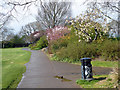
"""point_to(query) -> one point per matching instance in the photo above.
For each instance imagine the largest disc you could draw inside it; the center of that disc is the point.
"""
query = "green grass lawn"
(13, 60)
(104, 63)
(100, 81)
(91, 84)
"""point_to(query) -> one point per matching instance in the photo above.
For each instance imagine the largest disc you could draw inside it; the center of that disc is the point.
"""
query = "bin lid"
(85, 59)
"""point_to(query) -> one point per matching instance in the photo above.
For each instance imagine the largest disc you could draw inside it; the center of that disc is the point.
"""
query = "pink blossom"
(56, 33)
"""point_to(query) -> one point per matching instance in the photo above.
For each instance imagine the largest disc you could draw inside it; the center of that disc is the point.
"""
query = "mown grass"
(104, 63)
(102, 81)
(90, 84)
(13, 60)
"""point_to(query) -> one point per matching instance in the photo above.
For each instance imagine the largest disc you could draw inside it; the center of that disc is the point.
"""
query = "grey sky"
(24, 18)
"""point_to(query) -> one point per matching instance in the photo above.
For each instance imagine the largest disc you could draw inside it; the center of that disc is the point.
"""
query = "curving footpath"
(42, 73)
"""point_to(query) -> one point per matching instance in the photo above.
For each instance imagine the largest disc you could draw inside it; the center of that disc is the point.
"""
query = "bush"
(16, 41)
(30, 45)
(7, 44)
(63, 42)
(58, 44)
(77, 50)
(110, 49)
(54, 35)
(71, 50)
(40, 43)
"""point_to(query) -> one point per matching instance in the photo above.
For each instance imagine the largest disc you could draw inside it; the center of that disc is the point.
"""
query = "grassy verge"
(105, 63)
(95, 63)
(13, 60)
(90, 84)
(101, 81)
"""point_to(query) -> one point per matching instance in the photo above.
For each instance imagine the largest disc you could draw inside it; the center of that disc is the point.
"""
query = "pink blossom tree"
(56, 33)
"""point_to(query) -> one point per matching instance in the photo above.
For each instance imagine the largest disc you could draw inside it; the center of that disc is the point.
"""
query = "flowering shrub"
(34, 37)
(56, 33)
(89, 27)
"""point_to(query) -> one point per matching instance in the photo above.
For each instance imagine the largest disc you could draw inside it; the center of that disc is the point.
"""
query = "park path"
(41, 73)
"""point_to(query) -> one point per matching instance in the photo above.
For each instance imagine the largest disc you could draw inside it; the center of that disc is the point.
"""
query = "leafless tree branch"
(51, 14)
(104, 7)
(21, 4)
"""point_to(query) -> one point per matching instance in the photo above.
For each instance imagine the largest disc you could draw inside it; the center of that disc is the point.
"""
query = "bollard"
(86, 69)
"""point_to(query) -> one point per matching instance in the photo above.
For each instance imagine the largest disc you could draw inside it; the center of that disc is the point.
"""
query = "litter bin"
(86, 69)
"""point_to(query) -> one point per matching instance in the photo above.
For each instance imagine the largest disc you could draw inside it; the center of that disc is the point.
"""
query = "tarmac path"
(41, 72)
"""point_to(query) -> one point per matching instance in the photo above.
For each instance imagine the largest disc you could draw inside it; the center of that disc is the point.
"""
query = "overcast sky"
(22, 17)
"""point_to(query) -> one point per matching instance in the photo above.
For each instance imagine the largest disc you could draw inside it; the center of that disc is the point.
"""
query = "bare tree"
(28, 29)
(6, 34)
(59, 9)
(9, 6)
(51, 14)
(107, 8)
(111, 10)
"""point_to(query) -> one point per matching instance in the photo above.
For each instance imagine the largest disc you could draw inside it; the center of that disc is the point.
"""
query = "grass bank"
(90, 84)
(95, 63)
(102, 81)
(13, 60)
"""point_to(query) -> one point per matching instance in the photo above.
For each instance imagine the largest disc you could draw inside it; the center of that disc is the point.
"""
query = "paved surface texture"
(41, 73)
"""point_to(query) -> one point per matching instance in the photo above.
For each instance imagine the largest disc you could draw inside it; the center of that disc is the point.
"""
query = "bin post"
(86, 69)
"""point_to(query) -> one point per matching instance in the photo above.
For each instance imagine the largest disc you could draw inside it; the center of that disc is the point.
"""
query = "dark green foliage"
(110, 49)
(68, 49)
(16, 41)
(58, 44)
(75, 50)
(56, 58)
(7, 44)
(78, 50)
(40, 43)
